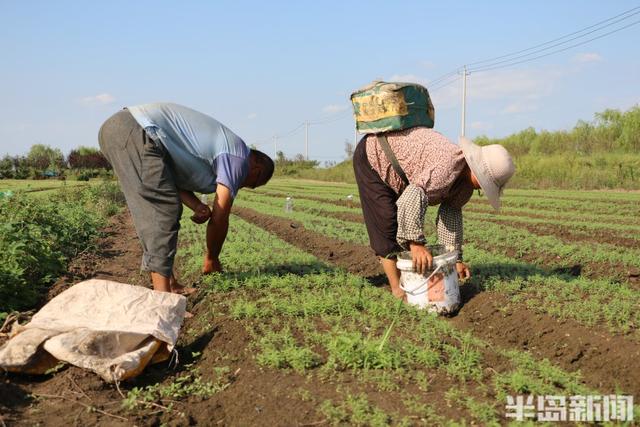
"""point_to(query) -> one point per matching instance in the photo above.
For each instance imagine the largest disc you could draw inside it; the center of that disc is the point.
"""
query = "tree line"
(612, 131)
(43, 161)
(602, 153)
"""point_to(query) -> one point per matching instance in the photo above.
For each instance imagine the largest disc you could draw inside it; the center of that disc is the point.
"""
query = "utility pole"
(464, 99)
(275, 147)
(306, 140)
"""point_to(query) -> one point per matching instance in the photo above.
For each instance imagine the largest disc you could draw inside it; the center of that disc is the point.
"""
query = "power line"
(554, 45)
(291, 132)
(445, 79)
(444, 84)
(491, 67)
(332, 119)
(564, 37)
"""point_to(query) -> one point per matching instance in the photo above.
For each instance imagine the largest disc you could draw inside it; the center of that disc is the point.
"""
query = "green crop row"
(307, 318)
(332, 227)
(571, 196)
(583, 227)
(587, 215)
(584, 195)
(38, 236)
(562, 214)
(582, 207)
(36, 184)
(549, 251)
(520, 281)
(497, 238)
(306, 204)
(588, 301)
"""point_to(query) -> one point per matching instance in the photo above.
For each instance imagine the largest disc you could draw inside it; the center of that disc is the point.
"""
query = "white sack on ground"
(111, 328)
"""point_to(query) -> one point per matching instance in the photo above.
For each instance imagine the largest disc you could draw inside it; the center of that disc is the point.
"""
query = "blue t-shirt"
(203, 151)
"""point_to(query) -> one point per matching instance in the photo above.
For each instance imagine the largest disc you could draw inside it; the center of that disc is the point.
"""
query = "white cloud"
(530, 84)
(252, 116)
(409, 78)
(520, 107)
(481, 126)
(507, 86)
(334, 108)
(587, 57)
(101, 99)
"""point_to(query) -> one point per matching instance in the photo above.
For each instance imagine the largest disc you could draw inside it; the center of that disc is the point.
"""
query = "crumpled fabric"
(113, 329)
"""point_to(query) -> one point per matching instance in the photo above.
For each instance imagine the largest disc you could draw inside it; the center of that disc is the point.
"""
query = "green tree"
(20, 167)
(42, 157)
(6, 167)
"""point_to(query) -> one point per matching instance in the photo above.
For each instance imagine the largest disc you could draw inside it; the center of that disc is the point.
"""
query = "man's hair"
(266, 164)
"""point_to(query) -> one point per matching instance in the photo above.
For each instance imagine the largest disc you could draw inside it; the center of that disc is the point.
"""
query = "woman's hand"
(463, 271)
(201, 214)
(421, 257)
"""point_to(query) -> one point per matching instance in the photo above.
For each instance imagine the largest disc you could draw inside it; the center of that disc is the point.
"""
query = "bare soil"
(602, 358)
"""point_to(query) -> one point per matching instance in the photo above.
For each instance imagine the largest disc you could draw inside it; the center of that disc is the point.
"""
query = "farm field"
(302, 330)
(40, 187)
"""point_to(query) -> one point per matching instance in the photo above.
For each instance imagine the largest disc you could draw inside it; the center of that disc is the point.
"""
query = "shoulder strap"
(382, 139)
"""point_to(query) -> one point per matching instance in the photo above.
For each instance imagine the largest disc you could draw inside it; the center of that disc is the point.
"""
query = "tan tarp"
(111, 328)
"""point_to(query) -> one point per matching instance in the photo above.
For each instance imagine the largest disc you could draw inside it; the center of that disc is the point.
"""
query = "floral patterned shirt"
(434, 168)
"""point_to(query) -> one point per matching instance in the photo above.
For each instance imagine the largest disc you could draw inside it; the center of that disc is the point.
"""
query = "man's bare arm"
(190, 200)
(201, 212)
(217, 228)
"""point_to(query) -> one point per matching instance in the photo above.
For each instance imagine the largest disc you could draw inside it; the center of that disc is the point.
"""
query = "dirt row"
(601, 357)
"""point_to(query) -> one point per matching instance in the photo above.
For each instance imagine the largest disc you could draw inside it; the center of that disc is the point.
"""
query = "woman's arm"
(449, 226)
(412, 206)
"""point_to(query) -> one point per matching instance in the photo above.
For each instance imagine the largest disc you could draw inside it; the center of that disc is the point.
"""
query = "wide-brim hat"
(492, 166)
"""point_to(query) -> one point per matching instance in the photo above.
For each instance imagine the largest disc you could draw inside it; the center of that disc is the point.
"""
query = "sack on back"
(382, 107)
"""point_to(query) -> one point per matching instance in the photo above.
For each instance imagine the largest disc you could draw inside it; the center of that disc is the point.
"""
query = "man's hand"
(463, 271)
(211, 265)
(201, 214)
(421, 257)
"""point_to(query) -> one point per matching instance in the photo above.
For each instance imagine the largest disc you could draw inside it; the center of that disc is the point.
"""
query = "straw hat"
(492, 165)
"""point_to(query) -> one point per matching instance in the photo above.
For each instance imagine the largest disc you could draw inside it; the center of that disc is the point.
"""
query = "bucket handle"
(412, 291)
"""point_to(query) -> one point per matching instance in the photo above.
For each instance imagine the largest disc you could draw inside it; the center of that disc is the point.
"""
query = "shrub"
(38, 237)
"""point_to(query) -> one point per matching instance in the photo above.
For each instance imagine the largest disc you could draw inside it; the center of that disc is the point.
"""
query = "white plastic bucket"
(437, 290)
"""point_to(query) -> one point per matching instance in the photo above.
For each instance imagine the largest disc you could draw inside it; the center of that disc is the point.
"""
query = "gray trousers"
(147, 180)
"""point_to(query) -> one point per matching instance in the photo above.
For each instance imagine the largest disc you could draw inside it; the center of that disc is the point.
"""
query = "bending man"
(162, 153)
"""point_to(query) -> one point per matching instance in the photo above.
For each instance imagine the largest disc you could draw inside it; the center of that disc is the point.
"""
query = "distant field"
(40, 187)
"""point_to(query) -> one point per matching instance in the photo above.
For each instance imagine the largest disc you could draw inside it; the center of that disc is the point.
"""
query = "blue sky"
(262, 68)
